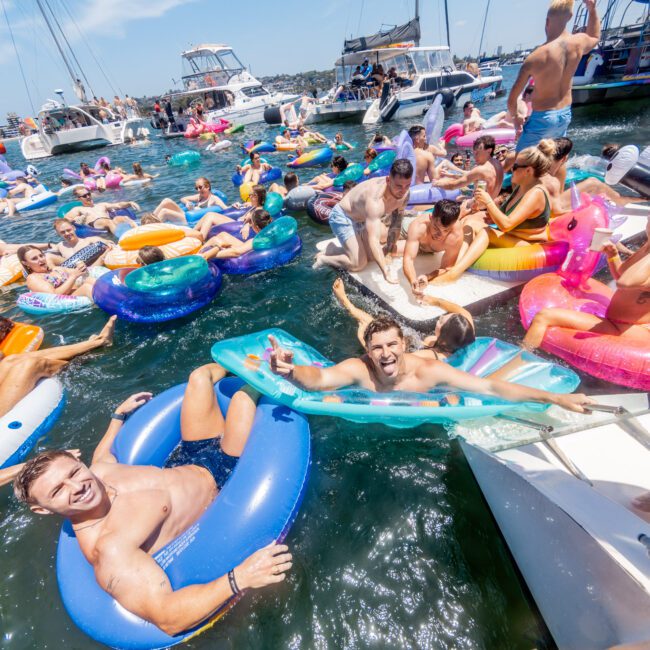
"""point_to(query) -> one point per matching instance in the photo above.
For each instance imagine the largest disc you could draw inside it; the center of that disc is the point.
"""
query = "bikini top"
(56, 280)
(533, 223)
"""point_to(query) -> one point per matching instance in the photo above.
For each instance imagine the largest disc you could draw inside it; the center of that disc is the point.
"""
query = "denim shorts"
(343, 226)
(544, 124)
(204, 453)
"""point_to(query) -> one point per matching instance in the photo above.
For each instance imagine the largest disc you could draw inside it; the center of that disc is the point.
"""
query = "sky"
(138, 42)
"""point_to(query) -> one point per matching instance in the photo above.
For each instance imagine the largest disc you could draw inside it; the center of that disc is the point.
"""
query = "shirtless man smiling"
(553, 66)
(387, 367)
(357, 220)
(123, 514)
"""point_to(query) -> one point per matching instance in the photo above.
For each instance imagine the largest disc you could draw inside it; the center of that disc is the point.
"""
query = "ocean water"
(394, 546)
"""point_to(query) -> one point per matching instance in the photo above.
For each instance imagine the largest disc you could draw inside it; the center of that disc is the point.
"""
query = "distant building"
(500, 50)
(12, 128)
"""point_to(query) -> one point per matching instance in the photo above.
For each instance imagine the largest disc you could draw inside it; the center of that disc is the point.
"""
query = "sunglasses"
(200, 187)
(517, 166)
(84, 196)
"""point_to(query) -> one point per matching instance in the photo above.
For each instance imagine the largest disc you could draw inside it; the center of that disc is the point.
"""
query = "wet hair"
(205, 182)
(22, 253)
(61, 222)
(370, 153)
(415, 130)
(488, 144)
(447, 211)
(137, 168)
(561, 7)
(468, 104)
(149, 217)
(5, 327)
(455, 333)
(539, 157)
(290, 180)
(456, 154)
(379, 137)
(401, 168)
(150, 255)
(348, 185)
(340, 163)
(33, 470)
(66, 182)
(378, 325)
(563, 147)
(105, 166)
(261, 218)
(83, 164)
(610, 150)
(260, 193)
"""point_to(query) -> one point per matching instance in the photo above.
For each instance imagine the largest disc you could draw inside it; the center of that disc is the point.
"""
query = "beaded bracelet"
(233, 582)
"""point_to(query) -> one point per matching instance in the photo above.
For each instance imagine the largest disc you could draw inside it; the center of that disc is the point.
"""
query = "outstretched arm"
(590, 39)
(457, 182)
(138, 583)
(102, 453)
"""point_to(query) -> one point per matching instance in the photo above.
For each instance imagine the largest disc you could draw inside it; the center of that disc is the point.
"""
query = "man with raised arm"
(553, 66)
(357, 221)
(124, 514)
(387, 367)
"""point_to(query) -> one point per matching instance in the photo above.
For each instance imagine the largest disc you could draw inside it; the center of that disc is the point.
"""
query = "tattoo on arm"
(111, 584)
(394, 229)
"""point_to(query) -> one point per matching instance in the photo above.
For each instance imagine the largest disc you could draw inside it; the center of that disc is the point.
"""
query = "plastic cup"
(481, 185)
(601, 235)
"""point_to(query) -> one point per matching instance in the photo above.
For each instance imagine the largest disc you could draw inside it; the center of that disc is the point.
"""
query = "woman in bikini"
(169, 210)
(224, 245)
(45, 278)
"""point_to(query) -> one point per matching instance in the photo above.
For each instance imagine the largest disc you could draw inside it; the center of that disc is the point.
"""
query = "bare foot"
(338, 288)
(318, 262)
(642, 503)
(105, 337)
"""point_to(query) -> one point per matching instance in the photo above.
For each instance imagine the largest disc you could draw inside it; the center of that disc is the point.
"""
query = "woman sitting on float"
(524, 216)
(44, 278)
(169, 210)
(253, 171)
(224, 245)
(138, 175)
(256, 200)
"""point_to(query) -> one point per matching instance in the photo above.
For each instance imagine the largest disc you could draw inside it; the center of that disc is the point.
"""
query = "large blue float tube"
(247, 356)
(256, 506)
(269, 176)
(114, 297)
(193, 216)
(425, 193)
(262, 260)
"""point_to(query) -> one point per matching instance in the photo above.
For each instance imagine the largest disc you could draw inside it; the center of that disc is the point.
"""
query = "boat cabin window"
(430, 84)
(421, 61)
(63, 119)
(230, 62)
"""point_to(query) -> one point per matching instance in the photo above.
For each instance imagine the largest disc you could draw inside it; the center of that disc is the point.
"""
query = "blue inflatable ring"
(261, 260)
(239, 521)
(114, 297)
(269, 176)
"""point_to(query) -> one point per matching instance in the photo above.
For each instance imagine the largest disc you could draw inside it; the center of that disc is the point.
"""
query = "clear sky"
(138, 42)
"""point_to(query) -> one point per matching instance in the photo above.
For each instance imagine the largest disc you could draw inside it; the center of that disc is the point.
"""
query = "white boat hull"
(576, 545)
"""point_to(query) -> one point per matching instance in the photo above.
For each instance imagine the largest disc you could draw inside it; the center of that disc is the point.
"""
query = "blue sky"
(139, 41)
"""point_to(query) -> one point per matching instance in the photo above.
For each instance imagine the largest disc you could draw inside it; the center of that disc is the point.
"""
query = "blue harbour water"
(394, 546)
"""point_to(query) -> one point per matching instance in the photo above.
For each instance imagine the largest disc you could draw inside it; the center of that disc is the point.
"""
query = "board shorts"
(207, 454)
(544, 124)
(343, 226)
(404, 228)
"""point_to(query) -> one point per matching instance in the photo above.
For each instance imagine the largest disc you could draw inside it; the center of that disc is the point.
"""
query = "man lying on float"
(387, 367)
(123, 514)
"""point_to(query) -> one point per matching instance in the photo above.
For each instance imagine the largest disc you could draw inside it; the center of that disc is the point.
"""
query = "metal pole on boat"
(447, 23)
(56, 41)
(417, 18)
(480, 46)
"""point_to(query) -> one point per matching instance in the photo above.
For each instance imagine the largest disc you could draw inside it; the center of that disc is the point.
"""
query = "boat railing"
(209, 80)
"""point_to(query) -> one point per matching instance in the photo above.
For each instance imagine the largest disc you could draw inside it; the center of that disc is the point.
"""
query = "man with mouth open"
(124, 514)
(387, 367)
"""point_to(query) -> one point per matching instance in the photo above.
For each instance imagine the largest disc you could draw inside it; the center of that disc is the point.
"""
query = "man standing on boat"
(553, 66)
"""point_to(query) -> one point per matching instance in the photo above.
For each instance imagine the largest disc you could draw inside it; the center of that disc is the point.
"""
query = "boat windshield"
(209, 69)
(431, 60)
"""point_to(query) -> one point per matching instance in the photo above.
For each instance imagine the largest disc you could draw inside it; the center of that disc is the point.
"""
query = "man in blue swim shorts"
(359, 221)
(123, 514)
(553, 66)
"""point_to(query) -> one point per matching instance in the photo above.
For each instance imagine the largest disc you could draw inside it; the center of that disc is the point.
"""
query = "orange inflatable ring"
(118, 258)
(10, 270)
(152, 234)
(22, 338)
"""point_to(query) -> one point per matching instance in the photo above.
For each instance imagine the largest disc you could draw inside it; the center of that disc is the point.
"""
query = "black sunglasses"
(517, 166)
(84, 196)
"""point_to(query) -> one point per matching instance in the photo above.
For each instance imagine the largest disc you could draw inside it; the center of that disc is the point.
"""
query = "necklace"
(110, 487)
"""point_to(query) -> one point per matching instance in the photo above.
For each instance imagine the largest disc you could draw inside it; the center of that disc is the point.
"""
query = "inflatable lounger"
(471, 291)
(256, 506)
(248, 357)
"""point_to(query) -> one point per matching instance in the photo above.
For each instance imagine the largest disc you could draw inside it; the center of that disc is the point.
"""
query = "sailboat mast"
(480, 46)
(56, 41)
(417, 18)
(447, 24)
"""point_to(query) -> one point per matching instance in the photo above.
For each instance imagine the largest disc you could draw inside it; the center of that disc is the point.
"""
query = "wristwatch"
(119, 416)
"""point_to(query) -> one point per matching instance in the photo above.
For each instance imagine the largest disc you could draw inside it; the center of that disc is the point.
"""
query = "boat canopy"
(408, 32)
(207, 66)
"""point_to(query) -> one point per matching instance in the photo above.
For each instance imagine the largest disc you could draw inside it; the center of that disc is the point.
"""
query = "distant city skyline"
(139, 44)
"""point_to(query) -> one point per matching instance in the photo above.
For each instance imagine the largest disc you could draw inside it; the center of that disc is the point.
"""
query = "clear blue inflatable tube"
(193, 216)
(425, 193)
(256, 506)
(247, 356)
(114, 297)
(269, 176)
(262, 260)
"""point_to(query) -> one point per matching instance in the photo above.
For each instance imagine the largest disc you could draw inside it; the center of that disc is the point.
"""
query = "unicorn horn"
(576, 201)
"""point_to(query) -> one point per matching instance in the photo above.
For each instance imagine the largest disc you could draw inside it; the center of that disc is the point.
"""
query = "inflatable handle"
(275, 234)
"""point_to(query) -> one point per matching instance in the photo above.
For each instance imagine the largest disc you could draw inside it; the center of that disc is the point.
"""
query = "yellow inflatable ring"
(153, 234)
(10, 270)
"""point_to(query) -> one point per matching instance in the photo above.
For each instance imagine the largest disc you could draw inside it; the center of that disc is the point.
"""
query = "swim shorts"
(343, 226)
(207, 454)
(544, 124)
(406, 223)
